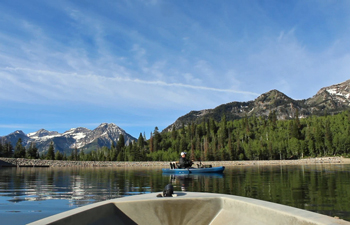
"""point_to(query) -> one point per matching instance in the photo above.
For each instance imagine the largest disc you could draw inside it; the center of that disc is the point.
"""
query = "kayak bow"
(219, 169)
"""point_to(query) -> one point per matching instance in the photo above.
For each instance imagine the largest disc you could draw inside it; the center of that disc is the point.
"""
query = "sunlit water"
(29, 194)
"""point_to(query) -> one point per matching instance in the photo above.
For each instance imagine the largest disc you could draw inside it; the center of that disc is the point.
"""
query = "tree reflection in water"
(30, 192)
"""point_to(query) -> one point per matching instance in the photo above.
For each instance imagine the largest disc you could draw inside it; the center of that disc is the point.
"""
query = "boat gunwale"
(299, 214)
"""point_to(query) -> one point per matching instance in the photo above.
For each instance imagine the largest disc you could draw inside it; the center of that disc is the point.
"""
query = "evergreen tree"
(206, 149)
(82, 156)
(20, 151)
(151, 146)
(58, 155)
(173, 133)
(74, 156)
(1, 148)
(51, 152)
(157, 138)
(328, 137)
(121, 142)
(7, 149)
(140, 142)
(113, 152)
(64, 156)
(273, 119)
(32, 152)
(230, 150)
(121, 148)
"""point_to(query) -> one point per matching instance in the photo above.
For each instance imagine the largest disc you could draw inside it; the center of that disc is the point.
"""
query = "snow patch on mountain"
(336, 91)
(79, 136)
(77, 133)
(43, 135)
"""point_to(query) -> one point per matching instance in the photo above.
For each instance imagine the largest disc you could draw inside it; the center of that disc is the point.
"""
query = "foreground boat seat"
(188, 208)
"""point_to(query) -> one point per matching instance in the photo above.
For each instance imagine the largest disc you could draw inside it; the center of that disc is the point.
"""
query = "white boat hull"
(188, 208)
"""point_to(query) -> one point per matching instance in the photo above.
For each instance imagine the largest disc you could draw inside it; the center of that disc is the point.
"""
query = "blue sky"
(144, 63)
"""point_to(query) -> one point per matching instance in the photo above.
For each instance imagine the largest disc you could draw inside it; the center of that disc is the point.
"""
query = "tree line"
(256, 138)
(249, 138)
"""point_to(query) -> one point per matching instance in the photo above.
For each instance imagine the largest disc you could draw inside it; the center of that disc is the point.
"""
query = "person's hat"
(183, 153)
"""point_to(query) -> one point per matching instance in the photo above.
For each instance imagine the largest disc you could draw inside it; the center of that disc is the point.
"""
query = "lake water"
(29, 194)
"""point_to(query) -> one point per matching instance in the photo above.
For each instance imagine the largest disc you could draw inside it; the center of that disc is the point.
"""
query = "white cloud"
(50, 71)
(122, 55)
(42, 86)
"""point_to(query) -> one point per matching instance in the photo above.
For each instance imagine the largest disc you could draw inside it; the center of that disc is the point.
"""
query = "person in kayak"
(184, 162)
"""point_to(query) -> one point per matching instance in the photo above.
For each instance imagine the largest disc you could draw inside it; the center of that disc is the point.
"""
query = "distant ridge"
(332, 99)
(81, 138)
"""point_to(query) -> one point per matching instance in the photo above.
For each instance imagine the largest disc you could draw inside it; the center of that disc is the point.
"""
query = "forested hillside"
(332, 100)
(257, 138)
(253, 138)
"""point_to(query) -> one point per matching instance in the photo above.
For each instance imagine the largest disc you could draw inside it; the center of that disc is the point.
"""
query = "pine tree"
(1, 148)
(51, 152)
(58, 155)
(64, 156)
(20, 151)
(173, 133)
(206, 149)
(140, 141)
(151, 150)
(192, 156)
(121, 146)
(32, 152)
(82, 155)
(230, 148)
(328, 138)
(75, 154)
(8, 149)
(113, 152)
(157, 138)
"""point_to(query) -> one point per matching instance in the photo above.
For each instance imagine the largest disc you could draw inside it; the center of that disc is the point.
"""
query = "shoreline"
(20, 162)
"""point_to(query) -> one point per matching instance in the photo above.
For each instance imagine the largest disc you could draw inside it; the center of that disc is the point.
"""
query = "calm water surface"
(29, 194)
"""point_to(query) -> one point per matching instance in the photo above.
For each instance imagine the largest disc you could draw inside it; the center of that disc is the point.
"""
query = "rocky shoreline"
(19, 162)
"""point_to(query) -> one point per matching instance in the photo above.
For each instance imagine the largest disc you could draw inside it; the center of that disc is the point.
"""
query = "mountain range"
(81, 138)
(328, 100)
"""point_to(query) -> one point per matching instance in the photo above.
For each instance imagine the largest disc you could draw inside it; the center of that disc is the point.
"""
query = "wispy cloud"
(167, 56)
(63, 86)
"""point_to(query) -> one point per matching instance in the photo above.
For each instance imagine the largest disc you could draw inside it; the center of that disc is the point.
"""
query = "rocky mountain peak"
(342, 90)
(14, 136)
(81, 138)
(272, 96)
(108, 128)
(18, 132)
(107, 125)
(332, 99)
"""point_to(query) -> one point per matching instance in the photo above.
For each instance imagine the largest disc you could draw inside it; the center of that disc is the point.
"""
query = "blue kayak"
(218, 169)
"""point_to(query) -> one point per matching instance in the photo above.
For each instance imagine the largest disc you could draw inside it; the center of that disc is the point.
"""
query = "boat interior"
(188, 208)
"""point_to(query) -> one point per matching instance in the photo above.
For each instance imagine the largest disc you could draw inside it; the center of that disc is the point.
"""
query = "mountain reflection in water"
(29, 194)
